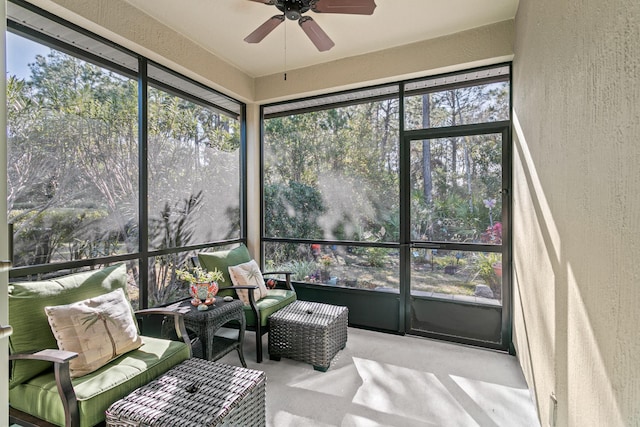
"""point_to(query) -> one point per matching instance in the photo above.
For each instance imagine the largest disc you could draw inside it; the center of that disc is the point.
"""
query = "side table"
(311, 332)
(206, 323)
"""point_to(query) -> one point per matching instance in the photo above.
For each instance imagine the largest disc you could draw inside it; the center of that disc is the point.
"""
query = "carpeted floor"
(389, 380)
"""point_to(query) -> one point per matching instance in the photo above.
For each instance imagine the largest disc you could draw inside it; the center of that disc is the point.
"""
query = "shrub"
(376, 256)
(299, 269)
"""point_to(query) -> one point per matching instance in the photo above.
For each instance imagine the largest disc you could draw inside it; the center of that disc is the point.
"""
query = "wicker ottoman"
(196, 392)
(310, 332)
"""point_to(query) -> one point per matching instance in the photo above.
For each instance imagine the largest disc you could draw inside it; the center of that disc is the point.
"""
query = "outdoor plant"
(325, 261)
(484, 269)
(299, 268)
(443, 261)
(493, 234)
(173, 225)
(376, 256)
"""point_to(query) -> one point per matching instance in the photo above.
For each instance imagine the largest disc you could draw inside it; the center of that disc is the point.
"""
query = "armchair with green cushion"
(48, 383)
(257, 311)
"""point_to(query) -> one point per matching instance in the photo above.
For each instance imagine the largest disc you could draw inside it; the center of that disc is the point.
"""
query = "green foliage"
(485, 269)
(71, 233)
(329, 174)
(449, 259)
(299, 269)
(376, 256)
(484, 265)
(452, 218)
(357, 147)
(293, 210)
(174, 228)
(73, 143)
(349, 155)
(175, 225)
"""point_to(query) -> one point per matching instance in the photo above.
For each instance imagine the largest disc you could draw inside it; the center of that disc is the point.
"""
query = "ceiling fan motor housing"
(293, 9)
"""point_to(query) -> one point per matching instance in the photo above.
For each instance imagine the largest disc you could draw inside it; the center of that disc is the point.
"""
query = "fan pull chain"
(285, 50)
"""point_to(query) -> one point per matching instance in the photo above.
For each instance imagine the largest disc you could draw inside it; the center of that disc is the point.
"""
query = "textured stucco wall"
(576, 106)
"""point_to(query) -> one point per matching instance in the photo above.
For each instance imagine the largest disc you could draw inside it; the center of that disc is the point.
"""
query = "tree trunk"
(454, 143)
(426, 151)
(467, 166)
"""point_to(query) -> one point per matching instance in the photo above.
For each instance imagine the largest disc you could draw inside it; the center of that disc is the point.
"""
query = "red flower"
(493, 234)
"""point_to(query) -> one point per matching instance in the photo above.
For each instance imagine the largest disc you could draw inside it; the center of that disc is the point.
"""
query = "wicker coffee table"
(310, 332)
(196, 392)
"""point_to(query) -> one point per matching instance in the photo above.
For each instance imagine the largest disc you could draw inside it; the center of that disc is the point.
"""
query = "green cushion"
(99, 389)
(31, 330)
(222, 260)
(274, 301)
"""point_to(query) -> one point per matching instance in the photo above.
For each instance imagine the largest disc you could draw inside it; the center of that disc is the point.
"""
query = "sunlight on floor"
(405, 392)
(342, 382)
(383, 380)
(283, 418)
(497, 401)
(415, 396)
(351, 420)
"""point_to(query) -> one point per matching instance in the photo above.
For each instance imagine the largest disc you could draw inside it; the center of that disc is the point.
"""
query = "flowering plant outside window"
(493, 234)
(325, 260)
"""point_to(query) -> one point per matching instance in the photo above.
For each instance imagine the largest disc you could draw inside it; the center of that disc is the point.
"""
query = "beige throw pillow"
(98, 329)
(248, 274)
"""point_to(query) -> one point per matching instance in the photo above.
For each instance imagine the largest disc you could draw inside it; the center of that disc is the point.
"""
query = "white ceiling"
(220, 26)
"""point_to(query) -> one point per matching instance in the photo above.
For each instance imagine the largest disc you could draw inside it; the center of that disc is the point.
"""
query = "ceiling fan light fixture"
(292, 13)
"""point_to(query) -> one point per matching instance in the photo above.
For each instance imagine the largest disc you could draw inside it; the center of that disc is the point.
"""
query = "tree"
(73, 144)
(349, 155)
(73, 156)
(426, 150)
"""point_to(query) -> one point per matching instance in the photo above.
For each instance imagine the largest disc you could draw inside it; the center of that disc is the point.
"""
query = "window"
(332, 171)
(193, 185)
(331, 177)
(480, 96)
(194, 173)
(80, 195)
(73, 158)
(391, 200)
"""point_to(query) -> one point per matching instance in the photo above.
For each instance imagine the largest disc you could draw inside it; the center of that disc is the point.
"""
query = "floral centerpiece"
(203, 284)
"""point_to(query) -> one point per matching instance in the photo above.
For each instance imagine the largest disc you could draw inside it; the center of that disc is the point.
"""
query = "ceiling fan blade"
(354, 7)
(271, 2)
(315, 33)
(263, 30)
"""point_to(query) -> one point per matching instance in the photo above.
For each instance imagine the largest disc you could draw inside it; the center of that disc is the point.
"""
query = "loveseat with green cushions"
(272, 299)
(44, 383)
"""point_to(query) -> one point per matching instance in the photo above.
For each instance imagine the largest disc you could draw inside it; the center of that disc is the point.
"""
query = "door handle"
(5, 265)
(5, 331)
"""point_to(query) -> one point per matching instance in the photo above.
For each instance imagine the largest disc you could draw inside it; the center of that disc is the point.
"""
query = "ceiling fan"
(293, 9)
